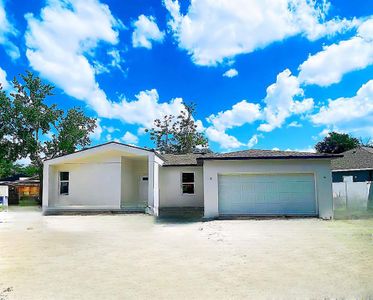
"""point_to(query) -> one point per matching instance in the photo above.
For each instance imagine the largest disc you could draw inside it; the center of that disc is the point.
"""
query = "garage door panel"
(280, 194)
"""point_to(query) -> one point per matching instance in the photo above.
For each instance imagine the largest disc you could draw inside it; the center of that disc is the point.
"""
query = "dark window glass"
(145, 178)
(187, 177)
(188, 188)
(64, 188)
(64, 175)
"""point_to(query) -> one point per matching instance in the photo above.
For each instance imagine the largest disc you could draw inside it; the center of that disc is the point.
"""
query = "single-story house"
(115, 177)
(356, 165)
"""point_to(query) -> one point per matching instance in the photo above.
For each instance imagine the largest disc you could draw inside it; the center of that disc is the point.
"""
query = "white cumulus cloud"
(308, 149)
(130, 138)
(212, 31)
(145, 108)
(146, 31)
(354, 114)
(284, 98)
(329, 65)
(241, 113)
(254, 140)
(294, 124)
(281, 103)
(225, 140)
(110, 129)
(58, 43)
(231, 73)
(7, 31)
(3, 80)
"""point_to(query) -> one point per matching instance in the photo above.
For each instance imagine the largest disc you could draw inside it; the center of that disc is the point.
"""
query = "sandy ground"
(132, 257)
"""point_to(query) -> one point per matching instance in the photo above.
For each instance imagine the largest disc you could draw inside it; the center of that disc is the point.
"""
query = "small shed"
(21, 187)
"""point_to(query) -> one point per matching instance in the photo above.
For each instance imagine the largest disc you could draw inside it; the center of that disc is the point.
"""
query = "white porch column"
(45, 184)
(156, 189)
(153, 185)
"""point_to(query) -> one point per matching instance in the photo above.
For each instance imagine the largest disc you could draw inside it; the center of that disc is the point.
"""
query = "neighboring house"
(19, 187)
(356, 165)
(117, 177)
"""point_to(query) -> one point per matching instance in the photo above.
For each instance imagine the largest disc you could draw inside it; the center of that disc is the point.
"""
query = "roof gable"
(355, 159)
(102, 148)
(180, 159)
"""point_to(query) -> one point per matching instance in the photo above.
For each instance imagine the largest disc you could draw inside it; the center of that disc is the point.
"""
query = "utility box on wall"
(4, 194)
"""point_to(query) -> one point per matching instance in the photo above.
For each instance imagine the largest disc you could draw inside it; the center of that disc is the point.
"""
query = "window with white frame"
(187, 183)
(64, 183)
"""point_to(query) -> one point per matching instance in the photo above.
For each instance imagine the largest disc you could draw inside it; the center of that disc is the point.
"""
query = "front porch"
(134, 183)
(112, 178)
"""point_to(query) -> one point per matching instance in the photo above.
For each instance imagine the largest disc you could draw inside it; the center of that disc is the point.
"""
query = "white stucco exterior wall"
(170, 187)
(103, 177)
(320, 169)
(92, 185)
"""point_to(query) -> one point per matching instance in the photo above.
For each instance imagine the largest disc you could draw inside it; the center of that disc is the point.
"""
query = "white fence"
(352, 195)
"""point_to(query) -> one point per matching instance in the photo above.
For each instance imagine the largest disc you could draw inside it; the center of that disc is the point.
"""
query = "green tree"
(179, 134)
(6, 129)
(163, 134)
(335, 143)
(187, 138)
(9, 168)
(29, 119)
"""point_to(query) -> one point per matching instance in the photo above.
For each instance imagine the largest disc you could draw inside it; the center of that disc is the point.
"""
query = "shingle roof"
(355, 159)
(267, 154)
(180, 159)
(196, 159)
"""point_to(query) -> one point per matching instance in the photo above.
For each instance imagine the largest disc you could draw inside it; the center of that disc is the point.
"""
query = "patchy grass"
(28, 201)
(352, 214)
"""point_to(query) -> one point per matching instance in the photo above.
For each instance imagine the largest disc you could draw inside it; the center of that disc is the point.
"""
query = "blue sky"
(264, 74)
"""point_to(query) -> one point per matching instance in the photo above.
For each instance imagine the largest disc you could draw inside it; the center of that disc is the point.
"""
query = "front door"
(143, 190)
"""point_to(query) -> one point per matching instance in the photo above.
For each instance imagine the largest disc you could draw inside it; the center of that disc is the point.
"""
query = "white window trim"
(61, 181)
(181, 183)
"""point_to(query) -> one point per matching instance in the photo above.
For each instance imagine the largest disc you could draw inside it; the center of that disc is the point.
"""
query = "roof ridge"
(368, 149)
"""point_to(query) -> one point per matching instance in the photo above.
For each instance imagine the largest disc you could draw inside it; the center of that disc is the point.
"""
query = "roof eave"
(266, 157)
(103, 145)
(352, 169)
(182, 165)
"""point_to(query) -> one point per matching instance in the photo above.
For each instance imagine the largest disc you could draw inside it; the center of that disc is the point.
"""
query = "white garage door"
(280, 194)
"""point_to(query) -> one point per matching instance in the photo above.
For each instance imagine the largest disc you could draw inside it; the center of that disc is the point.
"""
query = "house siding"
(91, 185)
(170, 187)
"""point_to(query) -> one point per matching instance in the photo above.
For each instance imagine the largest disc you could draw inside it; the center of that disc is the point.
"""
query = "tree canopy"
(178, 135)
(335, 143)
(30, 127)
(9, 168)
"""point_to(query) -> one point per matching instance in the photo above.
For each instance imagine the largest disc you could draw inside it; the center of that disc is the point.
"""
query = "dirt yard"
(132, 257)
